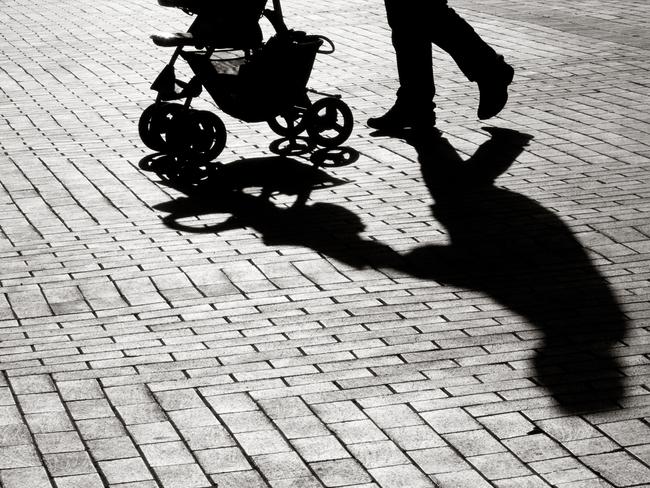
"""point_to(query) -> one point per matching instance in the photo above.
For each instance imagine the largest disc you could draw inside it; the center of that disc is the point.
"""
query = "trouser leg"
(412, 51)
(449, 31)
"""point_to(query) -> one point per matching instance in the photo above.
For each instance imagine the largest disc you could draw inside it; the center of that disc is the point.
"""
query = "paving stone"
(438, 460)
(280, 466)
(338, 412)
(282, 408)
(403, 476)
(305, 482)
(499, 466)
(69, 463)
(449, 420)
(563, 470)
(10, 415)
(523, 481)
(593, 445)
(138, 484)
(222, 460)
(178, 399)
(128, 395)
(102, 428)
(35, 477)
(461, 479)
(112, 448)
(80, 481)
(14, 435)
(340, 472)
(393, 416)
(357, 431)
(32, 384)
(262, 442)
(568, 429)
(618, 468)
(301, 427)
(125, 470)
(207, 437)
(247, 421)
(152, 432)
(474, 442)
(239, 479)
(146, 413)
(193, 417)
(415, 437)
(49, 422)
(59, 442)
(89, 409)
(80, 390)
(40, 403)
(18, 457)
(536, 447)
(166, 454)
(321, 448)
(627, 433)
(182, 476)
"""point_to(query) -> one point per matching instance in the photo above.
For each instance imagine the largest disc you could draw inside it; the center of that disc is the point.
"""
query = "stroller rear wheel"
(154, 124)
(329, 122)
(197, 134)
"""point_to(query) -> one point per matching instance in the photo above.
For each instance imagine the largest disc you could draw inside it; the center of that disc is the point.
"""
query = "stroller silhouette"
(248, 78)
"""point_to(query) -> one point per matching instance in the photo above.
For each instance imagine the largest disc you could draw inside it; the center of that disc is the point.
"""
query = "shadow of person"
(511, 248)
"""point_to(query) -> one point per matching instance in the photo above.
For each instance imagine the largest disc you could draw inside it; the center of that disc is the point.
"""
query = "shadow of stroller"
(215, 185)
(522, 255)
(327, 228)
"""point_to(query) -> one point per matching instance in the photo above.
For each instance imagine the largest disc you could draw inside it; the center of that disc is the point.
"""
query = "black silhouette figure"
(414, 26)
(523, 256)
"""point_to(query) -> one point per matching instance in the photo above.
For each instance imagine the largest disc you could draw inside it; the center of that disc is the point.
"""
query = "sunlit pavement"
(442, 315)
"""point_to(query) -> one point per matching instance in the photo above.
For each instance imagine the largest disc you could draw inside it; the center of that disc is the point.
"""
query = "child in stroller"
(247, 78)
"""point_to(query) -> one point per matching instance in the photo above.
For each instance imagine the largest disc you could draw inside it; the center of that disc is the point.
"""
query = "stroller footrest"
(174, 39)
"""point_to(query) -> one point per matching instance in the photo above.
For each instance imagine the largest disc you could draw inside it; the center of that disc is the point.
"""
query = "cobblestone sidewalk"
(400, 331)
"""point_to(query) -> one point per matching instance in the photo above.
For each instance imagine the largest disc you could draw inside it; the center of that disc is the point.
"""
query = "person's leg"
(476, 59)
(414, 104)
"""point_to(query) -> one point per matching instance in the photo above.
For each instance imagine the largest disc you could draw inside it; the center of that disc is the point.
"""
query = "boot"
(493, 90)
(403, 116)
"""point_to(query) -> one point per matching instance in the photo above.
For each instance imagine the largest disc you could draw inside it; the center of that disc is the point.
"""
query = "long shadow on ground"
(522, 255)
(502, 244)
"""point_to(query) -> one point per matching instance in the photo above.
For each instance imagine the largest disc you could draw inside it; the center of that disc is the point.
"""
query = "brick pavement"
(496, 338)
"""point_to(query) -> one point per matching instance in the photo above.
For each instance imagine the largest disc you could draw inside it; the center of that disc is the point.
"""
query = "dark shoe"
(401, 117)
(493, 91)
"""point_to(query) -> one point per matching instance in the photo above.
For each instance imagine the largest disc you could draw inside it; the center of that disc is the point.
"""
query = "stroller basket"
(257, 88)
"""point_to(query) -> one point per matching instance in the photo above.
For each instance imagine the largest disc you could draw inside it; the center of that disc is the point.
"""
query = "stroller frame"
(171, 126)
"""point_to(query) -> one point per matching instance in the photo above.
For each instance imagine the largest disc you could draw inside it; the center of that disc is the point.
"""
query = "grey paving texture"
(390, 334)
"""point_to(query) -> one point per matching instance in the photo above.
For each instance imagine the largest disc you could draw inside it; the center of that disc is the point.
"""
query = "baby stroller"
(249, 79)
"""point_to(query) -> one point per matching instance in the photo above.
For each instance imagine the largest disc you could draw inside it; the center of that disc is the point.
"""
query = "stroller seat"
(219, 25)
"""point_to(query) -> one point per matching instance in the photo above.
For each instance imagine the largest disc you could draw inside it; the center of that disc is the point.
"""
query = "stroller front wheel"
(329, 122)
(289, 124)
(154, 124)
